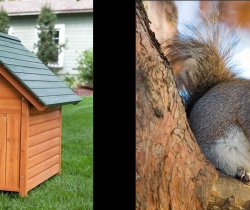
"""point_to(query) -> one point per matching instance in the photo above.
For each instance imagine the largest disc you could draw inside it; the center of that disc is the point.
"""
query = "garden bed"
(84, 91)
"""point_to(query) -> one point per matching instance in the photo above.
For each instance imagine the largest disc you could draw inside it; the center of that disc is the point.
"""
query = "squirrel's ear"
(185, 66)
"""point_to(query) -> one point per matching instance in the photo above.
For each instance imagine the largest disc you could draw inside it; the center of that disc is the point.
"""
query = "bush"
(71, 81)
(85, 66)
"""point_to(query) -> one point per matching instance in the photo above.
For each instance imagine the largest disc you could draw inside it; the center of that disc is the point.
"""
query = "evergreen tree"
(4, 21)
(48, 50)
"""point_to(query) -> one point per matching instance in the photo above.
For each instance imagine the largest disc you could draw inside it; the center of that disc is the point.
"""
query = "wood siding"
(10, 117)
(30, 141)
(13, 150)
(78, 31)
(24, 147)
(17, 85)
(43, 145)
(7, 91)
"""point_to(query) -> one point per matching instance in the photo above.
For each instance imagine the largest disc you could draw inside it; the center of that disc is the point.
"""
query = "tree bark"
(229, 193)
(163, 15)
(171, 170)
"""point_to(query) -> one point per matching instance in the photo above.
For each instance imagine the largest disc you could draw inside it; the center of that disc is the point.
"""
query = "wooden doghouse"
(31, 99)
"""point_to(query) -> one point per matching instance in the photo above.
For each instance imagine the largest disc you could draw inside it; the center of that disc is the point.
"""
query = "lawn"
(73, 189)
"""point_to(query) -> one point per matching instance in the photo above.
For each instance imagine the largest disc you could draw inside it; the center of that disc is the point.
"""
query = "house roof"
(33, 74)
(33, 7)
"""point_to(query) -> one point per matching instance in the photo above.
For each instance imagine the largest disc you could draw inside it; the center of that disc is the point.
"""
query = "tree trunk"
(171, 170)
(163, 16)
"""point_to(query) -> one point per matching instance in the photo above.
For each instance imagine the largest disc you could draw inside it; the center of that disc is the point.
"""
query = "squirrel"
(217, 101)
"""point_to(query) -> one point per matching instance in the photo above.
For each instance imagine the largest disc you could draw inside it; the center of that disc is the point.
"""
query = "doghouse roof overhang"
(31, 77)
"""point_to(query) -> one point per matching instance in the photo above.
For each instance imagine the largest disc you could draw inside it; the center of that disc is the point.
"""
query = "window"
(10, 31)
(59, 39)
(56, 37)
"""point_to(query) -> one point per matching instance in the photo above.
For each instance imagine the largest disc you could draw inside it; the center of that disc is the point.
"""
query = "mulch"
(84, 92)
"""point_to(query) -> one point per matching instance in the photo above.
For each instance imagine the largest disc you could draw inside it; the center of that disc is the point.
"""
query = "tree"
(171, 170)
(4, 21)
(48, 50)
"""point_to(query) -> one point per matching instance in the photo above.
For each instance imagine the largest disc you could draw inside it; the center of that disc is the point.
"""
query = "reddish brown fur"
(201, 56)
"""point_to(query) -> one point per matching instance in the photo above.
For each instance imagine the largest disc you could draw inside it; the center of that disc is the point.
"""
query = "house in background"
(74, 23)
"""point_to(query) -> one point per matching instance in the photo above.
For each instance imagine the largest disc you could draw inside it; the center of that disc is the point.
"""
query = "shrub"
(71, 81)
(85, 66)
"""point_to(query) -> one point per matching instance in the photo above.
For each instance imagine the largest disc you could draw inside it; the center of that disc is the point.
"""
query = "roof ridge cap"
(7, 36)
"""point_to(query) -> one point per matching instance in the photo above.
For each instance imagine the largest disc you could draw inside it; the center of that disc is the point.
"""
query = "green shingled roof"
(33, 74)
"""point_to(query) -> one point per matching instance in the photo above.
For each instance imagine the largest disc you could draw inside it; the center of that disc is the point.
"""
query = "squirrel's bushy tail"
(204, 55)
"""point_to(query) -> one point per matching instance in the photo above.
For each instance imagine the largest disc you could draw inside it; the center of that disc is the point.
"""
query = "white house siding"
(23, 28)
(78, 31)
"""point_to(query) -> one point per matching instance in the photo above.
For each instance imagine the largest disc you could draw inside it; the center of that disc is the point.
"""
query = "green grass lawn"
(73, 189)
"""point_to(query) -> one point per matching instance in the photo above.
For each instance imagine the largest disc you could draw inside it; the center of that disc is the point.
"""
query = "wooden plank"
(10, 104)
(3, 121)
(38, 179)
(60, 141)
(42, 127)
(35, 160)
(13, 189)
(34, 110)
(42, 137)
(43, 166)
(4, 83)
(35, 150)
(10, 110)
(9, 93)
(12, 150)
(44, 117)
(21, 88)
(24, 147)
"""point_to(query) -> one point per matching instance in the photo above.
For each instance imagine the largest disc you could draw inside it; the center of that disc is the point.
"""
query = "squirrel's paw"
(245, 176)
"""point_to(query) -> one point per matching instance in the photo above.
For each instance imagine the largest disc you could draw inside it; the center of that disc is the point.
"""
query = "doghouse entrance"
(9, 150)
